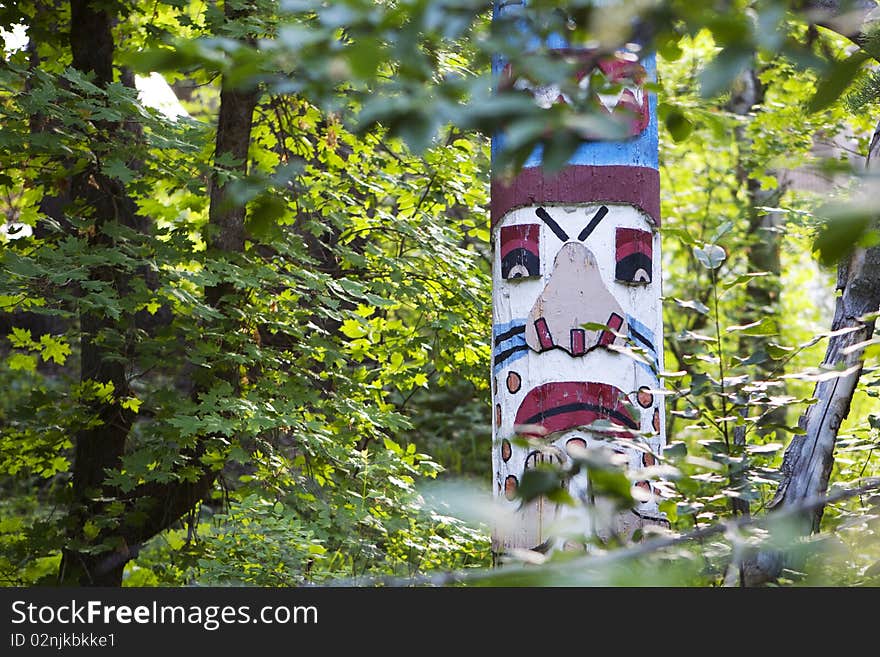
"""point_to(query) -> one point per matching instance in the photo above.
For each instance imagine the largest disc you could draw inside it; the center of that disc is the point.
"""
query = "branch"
(849, 18)
(645, 548)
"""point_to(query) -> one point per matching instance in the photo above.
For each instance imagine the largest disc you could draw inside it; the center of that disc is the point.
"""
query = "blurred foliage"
(360, 323)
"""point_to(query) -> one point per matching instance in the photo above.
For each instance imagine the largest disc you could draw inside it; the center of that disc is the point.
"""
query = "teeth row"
(610, 101)
(546, 96)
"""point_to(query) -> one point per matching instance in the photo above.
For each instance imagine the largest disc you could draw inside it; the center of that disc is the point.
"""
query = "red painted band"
(509, 245)
(638, 186)
(558, 406)
(633, 240)
(633, 247)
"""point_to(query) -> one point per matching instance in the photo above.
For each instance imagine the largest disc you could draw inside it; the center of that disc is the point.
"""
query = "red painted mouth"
(563, 405)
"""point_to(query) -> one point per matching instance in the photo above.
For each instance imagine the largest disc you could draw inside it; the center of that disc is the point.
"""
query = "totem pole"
(576, 291)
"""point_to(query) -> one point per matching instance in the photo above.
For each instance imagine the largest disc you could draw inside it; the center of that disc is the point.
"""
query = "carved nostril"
(545, 338)
(578, 342)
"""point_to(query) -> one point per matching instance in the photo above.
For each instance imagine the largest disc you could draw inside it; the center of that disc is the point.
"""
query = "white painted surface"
(516, 300)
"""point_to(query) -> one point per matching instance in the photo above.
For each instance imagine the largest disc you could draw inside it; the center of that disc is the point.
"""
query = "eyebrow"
(544, 216)
(600, 214)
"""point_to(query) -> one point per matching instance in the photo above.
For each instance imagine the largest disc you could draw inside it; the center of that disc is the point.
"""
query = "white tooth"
(610, 101)
(638, 93)
(546, 96)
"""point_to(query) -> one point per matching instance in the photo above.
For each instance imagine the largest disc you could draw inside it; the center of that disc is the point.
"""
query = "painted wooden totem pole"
(576, 278)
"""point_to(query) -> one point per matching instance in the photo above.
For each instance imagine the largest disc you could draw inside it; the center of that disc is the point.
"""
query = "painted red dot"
(506, 450)
(656, 422)
(645, 397)
(497, 415)
(514, 382)
(510, 486)
(577, 443)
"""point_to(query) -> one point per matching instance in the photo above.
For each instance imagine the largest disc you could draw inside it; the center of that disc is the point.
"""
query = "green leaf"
(353, 329)
(711, 256)
(719, 75)
(762, 327)
(613, 484)
(263, 216)
(776, 351)
(131, 403)
(744, 279)
(90, 529)
(695, 304)
(21, 338)
(679, 126)
(537, 482)
(53, 349)
(835, 81)
(844, 225)
(22, 362)
(116, 168)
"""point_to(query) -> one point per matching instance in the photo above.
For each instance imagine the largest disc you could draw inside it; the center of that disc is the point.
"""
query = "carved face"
(573, 287)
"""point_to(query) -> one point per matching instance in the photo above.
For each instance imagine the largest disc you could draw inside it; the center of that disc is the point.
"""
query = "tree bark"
(809, 458)
(762, 255)
(100, 448)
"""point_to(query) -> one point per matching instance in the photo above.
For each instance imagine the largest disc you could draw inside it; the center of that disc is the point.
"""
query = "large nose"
(575, 295)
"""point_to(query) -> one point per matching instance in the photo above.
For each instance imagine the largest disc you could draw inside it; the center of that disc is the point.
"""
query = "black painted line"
(509, 334)
(582, 406)
(597, 218)
(504, 355)
(641, 338)
(544, 216)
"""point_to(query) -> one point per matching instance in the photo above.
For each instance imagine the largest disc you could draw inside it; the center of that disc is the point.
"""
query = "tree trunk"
(809, 458)
(98, 448)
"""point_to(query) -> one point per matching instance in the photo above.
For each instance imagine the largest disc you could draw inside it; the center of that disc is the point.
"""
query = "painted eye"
(633, 256)
(519, 251)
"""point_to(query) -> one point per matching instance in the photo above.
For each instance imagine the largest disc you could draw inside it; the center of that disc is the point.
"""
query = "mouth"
(563, 405)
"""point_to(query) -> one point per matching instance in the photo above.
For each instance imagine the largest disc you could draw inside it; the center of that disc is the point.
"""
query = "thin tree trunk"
(809, 458)
(762, 256)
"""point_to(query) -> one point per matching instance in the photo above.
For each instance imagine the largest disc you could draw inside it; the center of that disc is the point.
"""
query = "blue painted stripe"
(516, 341)
(498, 329)
(639, 151)
(645, 339)
(513, 347)
(633, 323)
(515, 356)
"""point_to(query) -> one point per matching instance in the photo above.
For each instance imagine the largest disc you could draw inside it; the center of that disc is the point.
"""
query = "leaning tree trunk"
(809, 458)
(576, 280)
